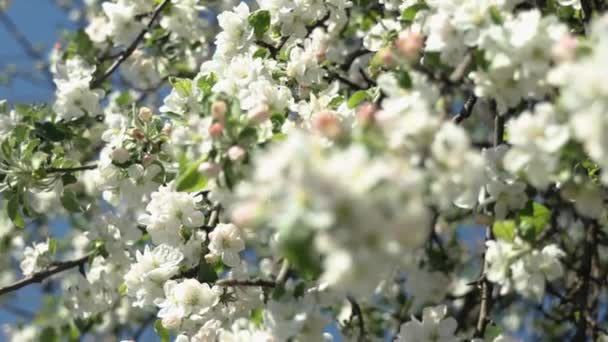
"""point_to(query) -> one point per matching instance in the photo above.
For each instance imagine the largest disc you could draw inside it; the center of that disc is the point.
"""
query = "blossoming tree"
(348, 170)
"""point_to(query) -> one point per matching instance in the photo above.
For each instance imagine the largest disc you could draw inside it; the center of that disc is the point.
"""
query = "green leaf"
(409, 13)
(206, 273)
(504, 230)
(52, 246)
(183, 86)
(191, 180)
(122, 289)
(297, 246)
(12, 210)
(161, 331)
(495, 15)
(70, 201)
(48, 334)
(533, 220)
(260, 21)
(357, 98)
(206, 83)
(51, 132)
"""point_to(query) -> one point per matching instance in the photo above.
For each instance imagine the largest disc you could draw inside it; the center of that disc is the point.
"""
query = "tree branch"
(129, 50)
(42, 275)
(466, 110)
(251, 282)
(486, 286)
(70, 169)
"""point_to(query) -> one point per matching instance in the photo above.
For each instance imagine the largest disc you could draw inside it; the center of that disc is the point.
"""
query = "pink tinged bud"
(321, 53)
(236, 153)
(386, 57)
(216, 130)
(565, 49)
(120, 155)
(366, 113)
(171, 322)
(147, 160)
(328, 124)
(209, 169)
(167, 128)
(244, 214)
(138, 134)
(409, 44)
(259, 113)
(57, 46)
(145, 114)
(218, 110)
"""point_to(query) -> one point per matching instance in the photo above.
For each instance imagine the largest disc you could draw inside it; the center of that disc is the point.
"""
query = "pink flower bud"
(236, 153)
(120, 155)
(327, 123)
(138, 134)
(218, 110)
(565, 49)
(145, 114)
(171, 322)
(386, 57)
(167, 128)
(409, 44)
(259, 113)
(366, 113)
(244, 214)
(216, 130)
(147, 159)
(209, 169)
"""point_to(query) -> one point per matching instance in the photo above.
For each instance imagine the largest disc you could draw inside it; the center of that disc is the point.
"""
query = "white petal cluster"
(518, 53)
(516, 266)
(344, 198)
(537, 138)
(152, 268)
(225, 243)
(74, 97)
(434, 326)
(185, 298)
(167, 212)
(36, 258)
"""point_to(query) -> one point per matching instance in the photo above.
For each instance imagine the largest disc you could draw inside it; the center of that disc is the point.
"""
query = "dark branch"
(466, 110)
(70, 169)
(42, 275)
(129, 50)
(252, 282)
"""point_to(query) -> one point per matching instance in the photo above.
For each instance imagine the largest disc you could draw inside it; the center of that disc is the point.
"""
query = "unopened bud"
(385, 55)
(216, 130)
(167, 128)
(120, 155)
(236, 153)
(366, 113)
(409, 44)
(565, 48)
(209, 169)
(145, 114)
(244, 214)
(147, 159)
(328, 124)
(218, 110)
(259, 113)
(171, 322)
(138, 134)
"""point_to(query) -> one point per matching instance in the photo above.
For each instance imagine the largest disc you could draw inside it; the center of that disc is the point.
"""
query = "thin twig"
(485, 306)
(251, 282)
(42, 275)
(70, 169)
(359, 314)
(129, 50)
(466, 110)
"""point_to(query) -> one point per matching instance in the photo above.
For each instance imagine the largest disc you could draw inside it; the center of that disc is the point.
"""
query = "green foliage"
(357, 98)
(162, 332)
(533, 220)
(183, 86)
(504, 230)
(260, 21)
(410, 12)
(191, 179)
